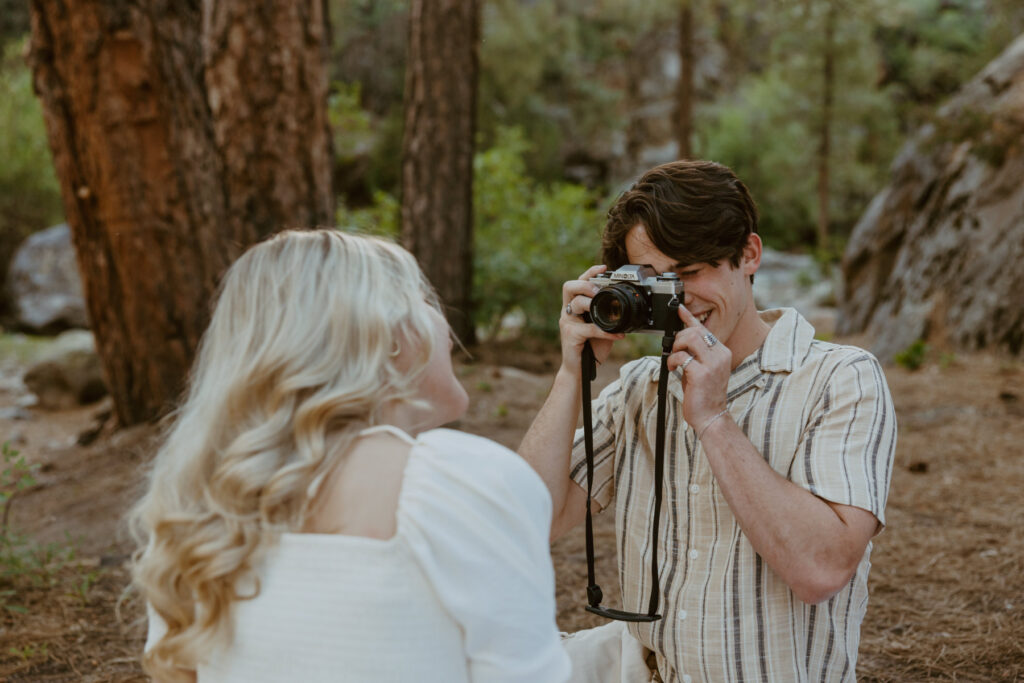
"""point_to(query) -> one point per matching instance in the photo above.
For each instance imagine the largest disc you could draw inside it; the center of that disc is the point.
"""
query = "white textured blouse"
(464, 590)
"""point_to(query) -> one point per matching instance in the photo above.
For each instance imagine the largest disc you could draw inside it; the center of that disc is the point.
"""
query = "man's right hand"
(576, 296)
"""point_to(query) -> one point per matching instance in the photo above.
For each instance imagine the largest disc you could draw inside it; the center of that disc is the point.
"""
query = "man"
(779, 450)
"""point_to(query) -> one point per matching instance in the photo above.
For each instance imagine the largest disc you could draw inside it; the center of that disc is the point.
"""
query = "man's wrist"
(717, 418)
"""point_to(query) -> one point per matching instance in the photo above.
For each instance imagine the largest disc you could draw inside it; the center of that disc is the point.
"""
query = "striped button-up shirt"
(822, 416)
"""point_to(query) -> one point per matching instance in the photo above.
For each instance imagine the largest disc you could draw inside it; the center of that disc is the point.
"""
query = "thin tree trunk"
(437, 150)
(143, 181)
(825, 140)
(684, 88)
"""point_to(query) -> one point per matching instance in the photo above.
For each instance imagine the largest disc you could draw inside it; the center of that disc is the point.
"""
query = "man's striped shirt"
(822, 416)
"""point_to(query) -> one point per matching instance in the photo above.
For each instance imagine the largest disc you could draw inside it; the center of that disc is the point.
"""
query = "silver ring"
(568, 308)
(710, 339)
(682, 368)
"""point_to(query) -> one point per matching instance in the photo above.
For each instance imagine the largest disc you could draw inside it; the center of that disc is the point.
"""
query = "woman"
(305, 519)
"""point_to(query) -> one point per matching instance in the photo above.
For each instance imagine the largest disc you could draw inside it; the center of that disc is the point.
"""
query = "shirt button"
(686, 678)
(694, 488)
(694, 554)
(682, 614)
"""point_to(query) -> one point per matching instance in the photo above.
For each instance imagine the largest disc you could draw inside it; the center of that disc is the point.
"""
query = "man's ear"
(751, 259)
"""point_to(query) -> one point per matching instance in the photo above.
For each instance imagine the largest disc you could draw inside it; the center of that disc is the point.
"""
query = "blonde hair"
(299, 355)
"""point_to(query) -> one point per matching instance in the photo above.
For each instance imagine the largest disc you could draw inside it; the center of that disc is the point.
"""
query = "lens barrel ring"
(620, 307)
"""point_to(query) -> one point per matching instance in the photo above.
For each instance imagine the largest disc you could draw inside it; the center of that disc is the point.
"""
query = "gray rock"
(14, 413)
(44, 284)
(797, 281)
(938, 253)
(69, 373)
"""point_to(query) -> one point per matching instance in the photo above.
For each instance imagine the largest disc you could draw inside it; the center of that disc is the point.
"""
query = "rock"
(44, 284)
(797, 281)
(69, 374)
(15, 413)
(937, 254)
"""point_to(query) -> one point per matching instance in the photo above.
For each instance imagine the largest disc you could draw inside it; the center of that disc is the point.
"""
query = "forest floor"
(947, 585)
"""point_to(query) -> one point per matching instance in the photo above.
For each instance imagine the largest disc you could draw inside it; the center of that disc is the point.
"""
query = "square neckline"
(320, 537)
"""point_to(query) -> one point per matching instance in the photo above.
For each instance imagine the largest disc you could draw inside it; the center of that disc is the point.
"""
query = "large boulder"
(44, 284)
(938, 254)
(69, 373)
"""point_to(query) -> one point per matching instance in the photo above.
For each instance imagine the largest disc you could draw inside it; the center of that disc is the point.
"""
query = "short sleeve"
(846, 452)
(607, 412)
(477, 519)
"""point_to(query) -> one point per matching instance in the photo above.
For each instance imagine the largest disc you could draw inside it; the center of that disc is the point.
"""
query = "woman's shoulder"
(474, 452)
(468, 463)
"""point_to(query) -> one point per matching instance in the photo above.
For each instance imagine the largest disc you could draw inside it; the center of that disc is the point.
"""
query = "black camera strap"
(594, 594)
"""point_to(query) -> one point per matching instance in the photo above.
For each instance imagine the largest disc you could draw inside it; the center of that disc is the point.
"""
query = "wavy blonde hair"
(299, 356)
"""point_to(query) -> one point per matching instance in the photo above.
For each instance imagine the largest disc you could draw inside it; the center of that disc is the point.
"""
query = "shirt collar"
(783, 349)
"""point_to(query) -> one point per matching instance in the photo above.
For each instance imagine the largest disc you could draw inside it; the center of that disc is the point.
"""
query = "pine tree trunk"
(684, 88)
(145, 186)
(266, 80)
(437, 150)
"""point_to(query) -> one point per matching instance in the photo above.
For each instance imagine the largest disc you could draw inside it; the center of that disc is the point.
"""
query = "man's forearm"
(814, 546)
(548, 443)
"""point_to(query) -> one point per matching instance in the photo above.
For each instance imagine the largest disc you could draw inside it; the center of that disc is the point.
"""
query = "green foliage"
(381, 218)
(16, 476)
(349, 121)
(22, 561)
(529, 238)
(29, 193)
(30, 651)
(544, 68)
(14, 20)
(929, 48)
(768, 128)
(914, 356)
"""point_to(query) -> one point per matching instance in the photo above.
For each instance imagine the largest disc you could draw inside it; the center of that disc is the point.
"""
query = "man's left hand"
(706, 364)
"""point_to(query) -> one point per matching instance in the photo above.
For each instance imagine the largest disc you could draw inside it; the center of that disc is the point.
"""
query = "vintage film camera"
(635, 298)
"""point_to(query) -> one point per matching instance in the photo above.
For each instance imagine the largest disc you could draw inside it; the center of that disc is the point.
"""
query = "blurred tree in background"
(437, 150)
(591, 89)
(181, 133)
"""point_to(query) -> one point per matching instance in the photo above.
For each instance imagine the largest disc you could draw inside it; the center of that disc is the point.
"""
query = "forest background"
(808, 100)
(575, 99)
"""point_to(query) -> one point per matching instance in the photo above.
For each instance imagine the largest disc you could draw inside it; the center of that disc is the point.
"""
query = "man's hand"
(576, 296)
(706, 370)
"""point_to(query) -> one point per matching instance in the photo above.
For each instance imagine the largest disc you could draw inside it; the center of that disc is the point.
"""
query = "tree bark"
(437, 150)
(266, 80)
(684, 88)
(144, 182)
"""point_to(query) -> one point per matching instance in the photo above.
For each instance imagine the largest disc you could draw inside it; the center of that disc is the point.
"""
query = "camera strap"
(594, 593)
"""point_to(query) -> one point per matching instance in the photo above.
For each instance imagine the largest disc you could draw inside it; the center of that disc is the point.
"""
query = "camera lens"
(619, 308)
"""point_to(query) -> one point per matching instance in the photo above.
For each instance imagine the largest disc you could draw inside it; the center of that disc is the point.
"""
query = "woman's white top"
(464, 590)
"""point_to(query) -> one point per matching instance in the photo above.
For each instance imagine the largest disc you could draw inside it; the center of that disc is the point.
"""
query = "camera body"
(635, 298)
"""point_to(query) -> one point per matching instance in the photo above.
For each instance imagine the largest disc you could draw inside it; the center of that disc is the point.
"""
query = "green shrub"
(381, 218)
(529, 238)
(912, 357)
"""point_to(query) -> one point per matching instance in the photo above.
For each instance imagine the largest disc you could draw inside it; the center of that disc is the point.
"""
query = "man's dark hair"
(693, 212)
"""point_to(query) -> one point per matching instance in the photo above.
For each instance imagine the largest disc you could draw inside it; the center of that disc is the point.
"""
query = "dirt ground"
(947, 585)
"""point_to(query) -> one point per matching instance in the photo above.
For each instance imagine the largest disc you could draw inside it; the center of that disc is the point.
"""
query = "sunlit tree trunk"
(152, 185)
(437, 150)
(684, 88)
